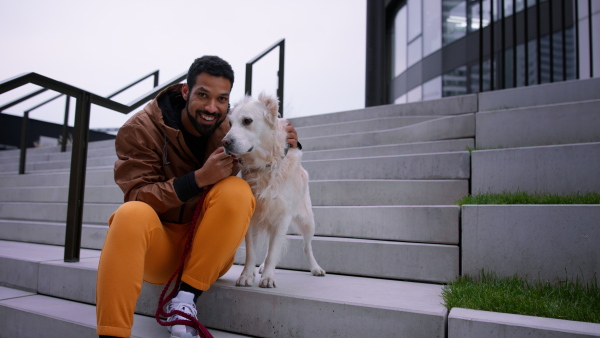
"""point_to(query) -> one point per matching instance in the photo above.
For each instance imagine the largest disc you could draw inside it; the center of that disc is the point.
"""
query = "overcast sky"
(102, 45)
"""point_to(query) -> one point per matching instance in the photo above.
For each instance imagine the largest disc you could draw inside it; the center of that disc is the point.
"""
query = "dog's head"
(255, 131)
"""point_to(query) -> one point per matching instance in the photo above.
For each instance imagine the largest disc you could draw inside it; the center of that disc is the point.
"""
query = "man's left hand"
(292, 136)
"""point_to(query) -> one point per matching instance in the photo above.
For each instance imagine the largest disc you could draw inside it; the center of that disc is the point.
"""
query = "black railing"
(280, 73)
(80, 137)
(65, 129)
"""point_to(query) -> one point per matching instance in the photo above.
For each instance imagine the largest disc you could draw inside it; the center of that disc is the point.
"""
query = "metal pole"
(281, 75)
(24, 128)
(248, 89)
(77, 179)
(375, 71)
(65, 130)
(591, 39)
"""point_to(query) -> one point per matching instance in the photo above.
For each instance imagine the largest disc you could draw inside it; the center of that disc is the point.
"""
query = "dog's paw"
(318, 271)
(267, 282)
(261, 268)
(245, 280)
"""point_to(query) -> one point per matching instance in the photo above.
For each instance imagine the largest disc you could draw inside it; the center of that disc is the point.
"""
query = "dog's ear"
(271, 102)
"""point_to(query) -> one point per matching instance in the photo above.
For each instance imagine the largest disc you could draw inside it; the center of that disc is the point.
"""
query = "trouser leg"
(136, 243)
(226, 214)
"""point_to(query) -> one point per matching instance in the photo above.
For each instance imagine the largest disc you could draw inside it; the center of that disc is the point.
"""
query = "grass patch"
(527, 198)
(567, 299)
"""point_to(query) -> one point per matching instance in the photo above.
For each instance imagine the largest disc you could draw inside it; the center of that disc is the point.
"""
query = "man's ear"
(185, 91)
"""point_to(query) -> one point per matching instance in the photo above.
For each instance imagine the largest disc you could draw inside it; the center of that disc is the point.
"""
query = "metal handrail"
(80, 137)
(63, 147)
(280, 73)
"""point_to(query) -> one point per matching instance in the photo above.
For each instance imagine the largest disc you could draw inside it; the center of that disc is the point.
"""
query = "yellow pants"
(139, 247)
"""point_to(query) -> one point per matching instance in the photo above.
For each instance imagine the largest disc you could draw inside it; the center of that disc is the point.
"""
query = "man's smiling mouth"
(207, 117)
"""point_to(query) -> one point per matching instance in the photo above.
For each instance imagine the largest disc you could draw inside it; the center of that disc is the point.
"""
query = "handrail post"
(77, 179)
(24, 129)
(280, 74)
(65, 130)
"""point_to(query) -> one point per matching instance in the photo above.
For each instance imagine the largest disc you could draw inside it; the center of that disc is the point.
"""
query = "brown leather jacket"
(151, 154)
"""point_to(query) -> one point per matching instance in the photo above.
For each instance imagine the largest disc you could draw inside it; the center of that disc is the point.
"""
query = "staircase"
(383, 183)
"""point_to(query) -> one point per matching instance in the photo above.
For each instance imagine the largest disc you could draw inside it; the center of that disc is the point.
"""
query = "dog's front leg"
(277, 242)
(247, 275)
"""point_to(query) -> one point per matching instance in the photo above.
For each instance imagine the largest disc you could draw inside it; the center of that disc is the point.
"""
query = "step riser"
(360, 126)
(55, 212)
(546, 94)
(446, 106)
(415, 167)
(263, 312)
(434, 263)
(430, 166)
(391, 150)
(420, 224)
(446, 128)
(92, 178)
(357, 193)
(539, 126)
(326, 193)
(564, 169)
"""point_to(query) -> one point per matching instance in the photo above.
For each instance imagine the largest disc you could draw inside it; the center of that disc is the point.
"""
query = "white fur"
(279, 183)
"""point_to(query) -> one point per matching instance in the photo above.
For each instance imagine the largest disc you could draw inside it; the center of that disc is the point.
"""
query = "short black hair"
(209, 64)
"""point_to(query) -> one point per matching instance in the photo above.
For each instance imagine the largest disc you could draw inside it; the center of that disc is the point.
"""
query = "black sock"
(188, 288)
(108, 337)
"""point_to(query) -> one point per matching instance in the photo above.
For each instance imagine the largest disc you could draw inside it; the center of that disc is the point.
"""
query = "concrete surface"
(465, 323)
(532, 241)
(565, 123)
(564, 169)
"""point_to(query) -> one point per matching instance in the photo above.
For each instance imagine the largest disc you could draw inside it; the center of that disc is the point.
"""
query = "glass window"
(415, 94)
(415, 51)
(455, 82)
(432, 27)
(454, 16)
(400, 100)
(414, 18)
(400, 42)
(432, 89)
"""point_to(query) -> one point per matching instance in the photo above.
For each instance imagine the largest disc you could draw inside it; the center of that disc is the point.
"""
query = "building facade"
(428, 49)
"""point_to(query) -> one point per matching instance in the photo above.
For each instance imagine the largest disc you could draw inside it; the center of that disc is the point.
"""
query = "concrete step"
(427, 166)
(55, 212)
(361, 126)
(391, 150)
(59, 156)
(387, 192)
(454, 165)
(562, 169)
(540, 95)
(443, 128)
(334, 305)
(93, 176)
(325, 192)
(24, 314)
(565, 123)
(413, 261)
(442, 107)
(35, 167)
(438, 224)
(434, 263)
(47, 150)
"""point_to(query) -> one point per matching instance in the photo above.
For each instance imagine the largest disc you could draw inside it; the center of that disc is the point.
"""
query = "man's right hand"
(218, 166)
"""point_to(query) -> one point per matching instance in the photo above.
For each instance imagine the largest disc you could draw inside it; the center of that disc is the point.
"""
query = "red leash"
(162, 301)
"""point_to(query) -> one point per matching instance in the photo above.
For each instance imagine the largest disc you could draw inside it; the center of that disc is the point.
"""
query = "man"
(168, 153)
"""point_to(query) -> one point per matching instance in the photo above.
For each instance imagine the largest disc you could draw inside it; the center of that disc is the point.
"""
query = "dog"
(257, 139)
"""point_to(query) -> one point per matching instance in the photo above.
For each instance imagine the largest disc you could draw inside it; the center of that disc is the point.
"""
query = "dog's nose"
(227, 142)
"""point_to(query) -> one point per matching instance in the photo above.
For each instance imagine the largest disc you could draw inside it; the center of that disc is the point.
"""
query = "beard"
(202, 129)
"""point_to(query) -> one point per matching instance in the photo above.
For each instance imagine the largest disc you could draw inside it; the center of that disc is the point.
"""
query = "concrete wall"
(532, 241)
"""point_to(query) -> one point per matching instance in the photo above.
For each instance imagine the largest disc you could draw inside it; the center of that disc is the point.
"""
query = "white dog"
(279, 183)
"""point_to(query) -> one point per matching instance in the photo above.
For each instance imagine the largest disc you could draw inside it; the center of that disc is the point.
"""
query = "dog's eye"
(247, 121)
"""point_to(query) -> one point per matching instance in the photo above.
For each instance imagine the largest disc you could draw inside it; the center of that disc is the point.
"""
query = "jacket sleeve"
(139, 170)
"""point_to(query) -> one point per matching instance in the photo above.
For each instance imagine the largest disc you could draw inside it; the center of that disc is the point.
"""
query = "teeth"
(207, 117)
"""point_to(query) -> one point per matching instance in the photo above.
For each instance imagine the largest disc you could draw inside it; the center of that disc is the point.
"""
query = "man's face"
(206, 105)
